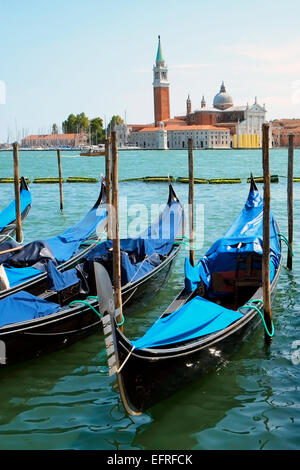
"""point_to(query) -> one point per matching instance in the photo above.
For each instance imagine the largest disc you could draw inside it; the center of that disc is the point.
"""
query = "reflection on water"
(66, 401)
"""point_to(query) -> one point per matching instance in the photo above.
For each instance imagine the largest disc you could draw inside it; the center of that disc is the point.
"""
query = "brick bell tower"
(160, 88)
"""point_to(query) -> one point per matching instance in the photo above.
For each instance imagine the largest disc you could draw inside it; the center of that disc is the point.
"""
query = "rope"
(250, 304)
(94, 297)
(85, 303)
(187, 244)
(122, 322)
(12, 238)
(145, 259)
(282, 237)
(125, 360)
(89, 242)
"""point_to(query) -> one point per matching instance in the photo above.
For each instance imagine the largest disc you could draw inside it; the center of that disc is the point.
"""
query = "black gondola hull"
(39, 283)
(149, 377)
(57, 331)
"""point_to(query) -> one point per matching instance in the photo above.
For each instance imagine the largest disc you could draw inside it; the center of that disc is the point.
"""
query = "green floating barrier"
(47, 180)
(158, 179)
(133, 179)
(196, 180)
(11, 180)
(79, 179)
(260, 179)
(296, 179)
(225, 181)
(152, 179)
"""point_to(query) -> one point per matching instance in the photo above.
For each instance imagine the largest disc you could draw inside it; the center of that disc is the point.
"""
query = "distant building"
(175, 136)
(5, 146)
(55, 140)
(281, 129)
(122, 131)
(218, 127)
(244, 122)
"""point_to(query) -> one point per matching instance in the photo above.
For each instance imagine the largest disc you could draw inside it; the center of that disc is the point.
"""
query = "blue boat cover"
(198, 317)
(142, 254)
(60, 248)
(244, 236)
(8, 215)
(18, 275)
(58, 280)
(194, 274)
(65, 245)
(23, 306)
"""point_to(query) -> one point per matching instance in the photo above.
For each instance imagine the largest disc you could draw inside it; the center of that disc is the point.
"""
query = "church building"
(221, 126)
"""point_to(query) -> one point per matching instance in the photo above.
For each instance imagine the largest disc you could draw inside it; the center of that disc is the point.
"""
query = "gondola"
(8, 215)
(25, 269)
(211, 318)
(67, 310)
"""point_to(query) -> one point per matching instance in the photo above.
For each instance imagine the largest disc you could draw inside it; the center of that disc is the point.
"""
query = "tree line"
(75, 124)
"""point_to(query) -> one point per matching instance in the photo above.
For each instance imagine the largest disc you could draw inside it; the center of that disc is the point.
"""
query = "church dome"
(222, 100)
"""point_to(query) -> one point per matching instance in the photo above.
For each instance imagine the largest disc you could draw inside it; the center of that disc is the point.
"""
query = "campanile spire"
(159, 55)
(160, 88)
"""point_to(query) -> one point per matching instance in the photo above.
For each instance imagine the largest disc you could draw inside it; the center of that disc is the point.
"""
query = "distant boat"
(92, 153)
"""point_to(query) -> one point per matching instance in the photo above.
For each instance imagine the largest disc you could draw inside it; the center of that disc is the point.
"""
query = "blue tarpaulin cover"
(141, 254)
(199, 316)
(8, 215)
(194, 274)
(60, 248)
(23, 306)
(65, 245)
(58, 280)
(17, 275)
(196, 318)
(246, 229)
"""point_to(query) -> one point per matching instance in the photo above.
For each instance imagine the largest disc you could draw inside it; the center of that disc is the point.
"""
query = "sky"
(70, 56)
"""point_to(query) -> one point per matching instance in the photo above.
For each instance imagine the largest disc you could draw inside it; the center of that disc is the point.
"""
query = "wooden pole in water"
(116, 236)
(290, 199)
(191, 200)
(17, 193)
(266, 233)
(60, 181)
(108, 183)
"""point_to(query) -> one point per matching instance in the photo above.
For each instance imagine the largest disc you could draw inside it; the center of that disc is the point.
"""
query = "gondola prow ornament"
(106, 301)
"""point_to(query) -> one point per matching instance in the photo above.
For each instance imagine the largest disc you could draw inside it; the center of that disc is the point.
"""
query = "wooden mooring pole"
(108, 184)
(266, 232)
(17, 193)
(290, 198)
(191, 200)
(60, 180)
(115, 233)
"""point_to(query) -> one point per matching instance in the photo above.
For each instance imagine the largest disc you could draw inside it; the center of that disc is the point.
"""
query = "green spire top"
(159, 55)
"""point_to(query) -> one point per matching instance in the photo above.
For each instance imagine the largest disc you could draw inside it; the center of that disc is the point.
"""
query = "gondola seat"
(246, 273)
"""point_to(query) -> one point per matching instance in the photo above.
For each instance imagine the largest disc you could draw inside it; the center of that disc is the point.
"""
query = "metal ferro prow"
(108, 313)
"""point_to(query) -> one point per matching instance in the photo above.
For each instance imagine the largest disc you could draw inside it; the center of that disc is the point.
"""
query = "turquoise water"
(66, 401)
